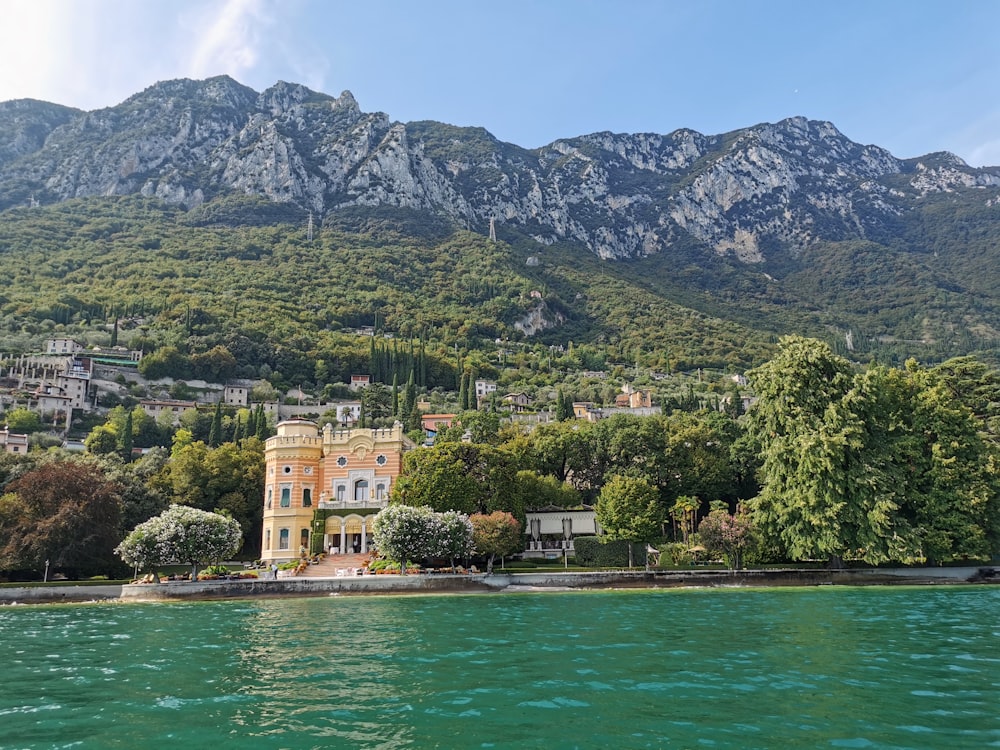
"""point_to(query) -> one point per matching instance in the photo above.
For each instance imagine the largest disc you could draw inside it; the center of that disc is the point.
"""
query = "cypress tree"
(237, 429)
(463, 393)
(126, 437)
(395, 395)
(261, 423)
(215, 432)
(409, 398)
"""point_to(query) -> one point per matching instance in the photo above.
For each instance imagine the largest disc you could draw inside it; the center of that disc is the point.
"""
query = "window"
(341, 491)
(361, 490)
(270, 497)
(267, 539)
(381, 459)
(286, 497)
(380, 491)
(287, 469)
(342, 462)
(283, 539)
(304, 539)
(307, 499)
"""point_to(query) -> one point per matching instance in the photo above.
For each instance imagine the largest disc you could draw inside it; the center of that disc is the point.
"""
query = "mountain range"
(758, 225)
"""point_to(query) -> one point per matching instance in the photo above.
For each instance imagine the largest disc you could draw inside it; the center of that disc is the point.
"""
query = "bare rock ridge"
(787, 184)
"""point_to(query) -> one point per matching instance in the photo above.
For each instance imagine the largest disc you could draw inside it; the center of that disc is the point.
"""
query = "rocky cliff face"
(783, 185)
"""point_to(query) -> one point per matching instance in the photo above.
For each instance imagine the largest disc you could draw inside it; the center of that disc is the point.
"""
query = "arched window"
(286, 497)
(270, 496)
(283, 539)
(341, 492)
(380, 491)
(307, 498)
(361, 490)
(267, 539)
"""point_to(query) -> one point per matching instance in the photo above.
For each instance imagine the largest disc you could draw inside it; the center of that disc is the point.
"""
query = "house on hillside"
(13, 442)
(237, 393)
(484, 388)
(63, 346)
(156, 407)
(631, 398)
(360, 381)
(517, 402)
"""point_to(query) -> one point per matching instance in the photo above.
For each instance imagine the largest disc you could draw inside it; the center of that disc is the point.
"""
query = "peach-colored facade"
(348, 473)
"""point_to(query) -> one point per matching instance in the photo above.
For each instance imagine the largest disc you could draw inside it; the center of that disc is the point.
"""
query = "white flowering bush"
(181, 534)
(455, 539)
(403, 533)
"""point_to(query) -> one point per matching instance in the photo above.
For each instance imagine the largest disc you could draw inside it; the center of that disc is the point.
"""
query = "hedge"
(597, 552)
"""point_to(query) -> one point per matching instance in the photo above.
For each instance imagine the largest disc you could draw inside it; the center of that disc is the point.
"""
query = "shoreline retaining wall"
(497, 582)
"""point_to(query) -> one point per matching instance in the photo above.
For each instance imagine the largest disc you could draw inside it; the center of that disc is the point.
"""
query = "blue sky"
(913, 77)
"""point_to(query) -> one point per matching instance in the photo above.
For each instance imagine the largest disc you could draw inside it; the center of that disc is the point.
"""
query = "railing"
(340, 504)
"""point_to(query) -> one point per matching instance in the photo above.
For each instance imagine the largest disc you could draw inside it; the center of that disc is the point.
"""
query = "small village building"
(323, 489)
(237, 393)
(631, 398)
(517, 402)
(174, 408)
(13, 442)
(360, 381)
(484, 388)
(62, 346)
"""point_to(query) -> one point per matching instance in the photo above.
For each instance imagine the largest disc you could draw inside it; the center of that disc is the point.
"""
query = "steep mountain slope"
(775, 227)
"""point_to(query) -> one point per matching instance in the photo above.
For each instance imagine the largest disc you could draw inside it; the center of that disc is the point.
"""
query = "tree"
(126, 437)
(229, 478)
(181, 535)
(63, 511)
(564, 406)
(376, 401)
(880, 465)
(684, 511)
(466, 477)
(403, 533)
(628, 508)
(215, 433)
(456, 540)
(102, 440)
(729, 534)
(806, 442)
(498, 533)
(22, 420)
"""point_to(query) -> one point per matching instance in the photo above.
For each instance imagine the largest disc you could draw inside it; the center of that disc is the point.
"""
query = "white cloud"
(229, 38)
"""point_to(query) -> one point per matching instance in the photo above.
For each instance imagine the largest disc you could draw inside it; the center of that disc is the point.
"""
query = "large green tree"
(63, 511)
(628, 508)
(876, 465)
(466, 477)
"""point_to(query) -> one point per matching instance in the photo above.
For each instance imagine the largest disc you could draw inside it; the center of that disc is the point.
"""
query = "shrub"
(595, 552)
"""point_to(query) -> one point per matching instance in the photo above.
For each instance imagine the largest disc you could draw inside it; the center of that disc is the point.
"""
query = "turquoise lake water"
(826, 667)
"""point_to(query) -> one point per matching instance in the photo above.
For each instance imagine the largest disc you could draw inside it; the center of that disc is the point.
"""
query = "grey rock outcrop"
(786, 184)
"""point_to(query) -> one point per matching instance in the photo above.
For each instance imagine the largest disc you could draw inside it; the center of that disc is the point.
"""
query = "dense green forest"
(242, 274)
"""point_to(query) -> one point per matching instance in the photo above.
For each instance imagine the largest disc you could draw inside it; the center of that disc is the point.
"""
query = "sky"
(912, 76)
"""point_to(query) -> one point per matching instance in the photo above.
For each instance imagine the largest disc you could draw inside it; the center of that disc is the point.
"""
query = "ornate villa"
(322, 489)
